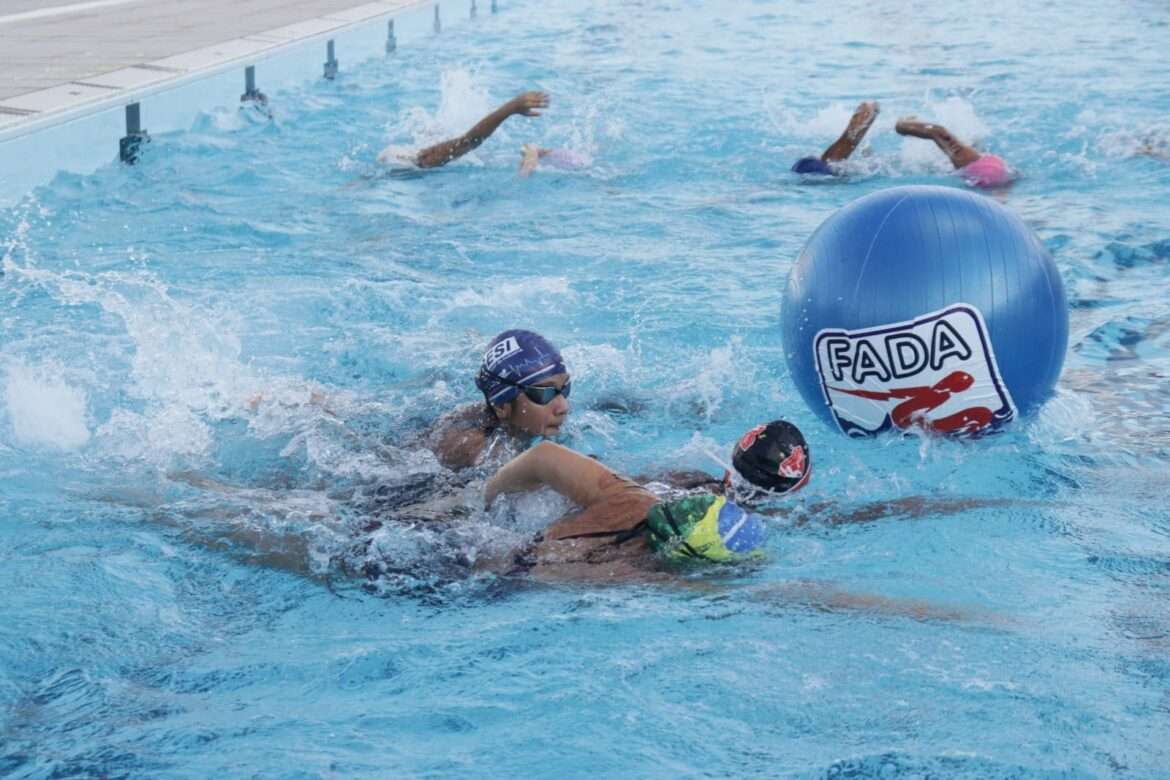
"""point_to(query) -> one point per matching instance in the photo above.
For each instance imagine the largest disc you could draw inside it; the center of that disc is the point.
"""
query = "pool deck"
(61, 57)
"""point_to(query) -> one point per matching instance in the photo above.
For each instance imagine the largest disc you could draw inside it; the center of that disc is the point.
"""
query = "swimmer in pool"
(625, 529)
(525, 104)
(1155, 146)
(533, 156)
(839, 150)
(979, 170)
(525, 386)
(622, 532)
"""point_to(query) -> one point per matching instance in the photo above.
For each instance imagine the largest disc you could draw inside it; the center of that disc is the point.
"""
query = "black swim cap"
(773, 457)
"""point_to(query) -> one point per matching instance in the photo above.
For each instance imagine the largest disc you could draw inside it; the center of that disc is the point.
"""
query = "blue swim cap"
(812, 165)
(520, 357)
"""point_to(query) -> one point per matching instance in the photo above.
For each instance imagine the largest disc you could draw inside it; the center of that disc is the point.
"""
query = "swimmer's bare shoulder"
(458, 438)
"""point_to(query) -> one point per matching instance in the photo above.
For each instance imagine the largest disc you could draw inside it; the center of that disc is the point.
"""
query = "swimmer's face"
(531, 418)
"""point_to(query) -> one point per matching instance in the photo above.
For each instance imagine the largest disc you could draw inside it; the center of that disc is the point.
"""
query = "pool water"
(253, 325)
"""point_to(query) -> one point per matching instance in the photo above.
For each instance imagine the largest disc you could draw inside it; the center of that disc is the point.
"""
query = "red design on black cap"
(749, 438)
(794, 465)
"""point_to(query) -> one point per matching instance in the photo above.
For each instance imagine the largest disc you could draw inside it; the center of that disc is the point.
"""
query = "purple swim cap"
(516, 357)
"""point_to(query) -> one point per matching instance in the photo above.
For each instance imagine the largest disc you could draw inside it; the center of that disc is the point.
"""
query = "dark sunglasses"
(541, 395)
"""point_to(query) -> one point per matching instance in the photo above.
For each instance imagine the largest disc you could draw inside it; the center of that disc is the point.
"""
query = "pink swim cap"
(988, 171)
(565, 159)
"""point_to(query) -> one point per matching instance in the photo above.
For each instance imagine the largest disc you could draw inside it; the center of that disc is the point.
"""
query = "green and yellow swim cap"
(705, 527)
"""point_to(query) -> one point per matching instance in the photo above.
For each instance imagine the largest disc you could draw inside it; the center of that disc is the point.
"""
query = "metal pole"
(330, 62)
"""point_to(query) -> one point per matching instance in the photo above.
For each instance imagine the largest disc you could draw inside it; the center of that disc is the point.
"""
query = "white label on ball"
(936, 373)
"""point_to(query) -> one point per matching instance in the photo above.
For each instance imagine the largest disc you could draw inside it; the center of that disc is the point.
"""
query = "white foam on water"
(704, 453)
(158, 437)
(829, 122)
(958, 116)
(510, 294)
(707, 379)
(462, 103)
(1063, 421)
(594, 361)
(825, 125)
(528, 513)
(185, 369)
(43, 408)
(1139, 140)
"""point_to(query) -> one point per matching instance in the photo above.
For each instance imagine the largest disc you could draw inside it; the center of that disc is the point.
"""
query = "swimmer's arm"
(578, 478)
(317, 397)
(828, 598)
(530, 155)
(1150, 150)
(910, 507)
(223, 530)
(527, 104)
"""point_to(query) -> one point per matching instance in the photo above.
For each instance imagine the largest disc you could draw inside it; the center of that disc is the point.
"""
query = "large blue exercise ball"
(924, 308)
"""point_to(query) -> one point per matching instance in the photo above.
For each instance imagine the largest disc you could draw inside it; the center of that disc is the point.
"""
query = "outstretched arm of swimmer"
(824, 597)
(959, 153)
(858, 126)
(526, 104)
(582, 480)
(910, 507)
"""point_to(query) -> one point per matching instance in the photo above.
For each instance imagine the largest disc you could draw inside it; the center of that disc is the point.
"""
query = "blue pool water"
(180, 321)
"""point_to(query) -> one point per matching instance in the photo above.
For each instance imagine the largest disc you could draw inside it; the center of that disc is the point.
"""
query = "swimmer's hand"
(499, 483)
(528, 103)
(530, 158)
(316, 398)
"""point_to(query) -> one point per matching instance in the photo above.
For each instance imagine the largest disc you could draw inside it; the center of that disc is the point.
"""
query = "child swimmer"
(533, 156)
(525, 386)
(978, 170)
(624, 528)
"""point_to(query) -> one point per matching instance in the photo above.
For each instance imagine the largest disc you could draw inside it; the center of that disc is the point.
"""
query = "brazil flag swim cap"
(704, 527)
(773, 457)
(516, 357)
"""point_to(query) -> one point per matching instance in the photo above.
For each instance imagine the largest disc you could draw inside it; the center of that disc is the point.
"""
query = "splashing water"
(225, 362)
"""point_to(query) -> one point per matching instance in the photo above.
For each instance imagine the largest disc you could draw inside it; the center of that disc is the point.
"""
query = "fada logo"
(936, 373)
(499, 351)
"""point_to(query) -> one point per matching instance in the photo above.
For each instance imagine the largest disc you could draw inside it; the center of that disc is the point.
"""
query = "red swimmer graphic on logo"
(936, 373)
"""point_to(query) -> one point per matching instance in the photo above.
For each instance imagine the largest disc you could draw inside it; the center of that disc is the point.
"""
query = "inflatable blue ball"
(928, 308)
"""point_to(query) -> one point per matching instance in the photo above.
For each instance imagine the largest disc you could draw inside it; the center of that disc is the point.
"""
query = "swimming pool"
(145, 309)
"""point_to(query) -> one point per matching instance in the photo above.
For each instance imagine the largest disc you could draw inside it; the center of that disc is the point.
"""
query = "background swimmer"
(844, 146)
(1154, 145)
(525, 386)
(526, 104)
(979, 170)
(533, 156)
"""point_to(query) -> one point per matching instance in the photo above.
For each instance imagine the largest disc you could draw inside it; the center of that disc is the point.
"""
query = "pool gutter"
(81, 126)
